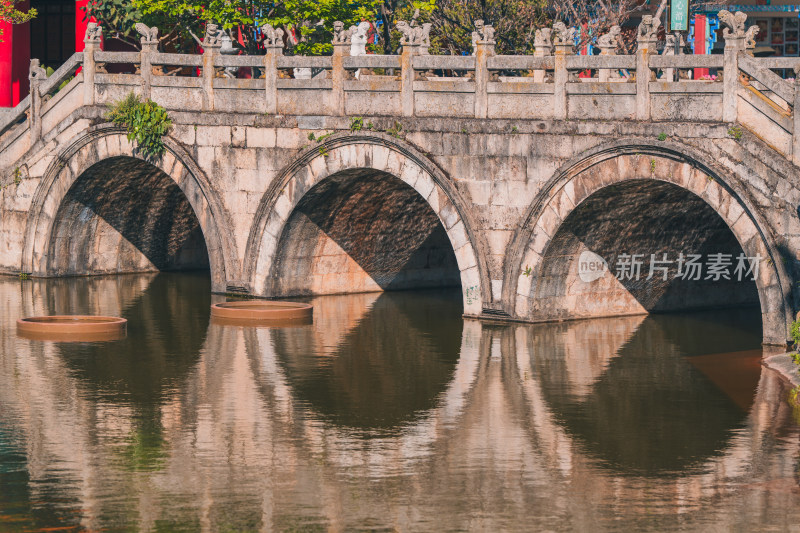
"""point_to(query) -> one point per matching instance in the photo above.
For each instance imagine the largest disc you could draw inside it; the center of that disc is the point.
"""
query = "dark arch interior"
(639, 217)
(362, 231)
(125, 215)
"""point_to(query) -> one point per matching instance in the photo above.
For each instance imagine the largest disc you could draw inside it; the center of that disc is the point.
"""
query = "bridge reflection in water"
(389, 412)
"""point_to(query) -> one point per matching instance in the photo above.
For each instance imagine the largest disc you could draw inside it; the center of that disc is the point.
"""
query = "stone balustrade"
(484, 85)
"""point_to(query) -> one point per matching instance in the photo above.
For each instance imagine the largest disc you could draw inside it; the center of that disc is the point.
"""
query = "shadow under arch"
(362, 231)
(106, 143)
(670, 163)
(373, 152)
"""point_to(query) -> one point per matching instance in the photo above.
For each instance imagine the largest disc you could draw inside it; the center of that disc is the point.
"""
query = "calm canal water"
(389, 413)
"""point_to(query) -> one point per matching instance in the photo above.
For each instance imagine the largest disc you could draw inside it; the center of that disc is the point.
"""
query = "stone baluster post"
(735, 42)
(669, 50)
(273, 44)
(645, 48)
(211, 46)
(91, 43)
(341, 49)
(484, 49)
(410, 49)
(560, 79)
(543, 47)
(538, 75)
(607, 44)
(149, 49)
(604, 74)
(730, 76)
(36, 75)
(149, 41)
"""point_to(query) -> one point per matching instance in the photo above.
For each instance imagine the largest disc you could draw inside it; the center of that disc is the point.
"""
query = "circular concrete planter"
(265, 312)
(72, 328)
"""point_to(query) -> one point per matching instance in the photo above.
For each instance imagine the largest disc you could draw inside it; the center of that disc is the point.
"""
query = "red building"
(52, 37)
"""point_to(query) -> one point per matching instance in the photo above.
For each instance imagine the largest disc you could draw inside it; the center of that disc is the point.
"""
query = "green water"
(389, 413)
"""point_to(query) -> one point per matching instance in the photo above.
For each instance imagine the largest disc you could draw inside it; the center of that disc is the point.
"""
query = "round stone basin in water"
(72, 328)
(260, 312)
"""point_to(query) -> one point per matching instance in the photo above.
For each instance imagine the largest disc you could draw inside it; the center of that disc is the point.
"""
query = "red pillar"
(6, 55)
(81, 22)
(15, 58)
(700, 43)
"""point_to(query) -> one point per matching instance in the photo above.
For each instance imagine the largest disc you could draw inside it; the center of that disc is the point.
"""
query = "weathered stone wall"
(498, 189)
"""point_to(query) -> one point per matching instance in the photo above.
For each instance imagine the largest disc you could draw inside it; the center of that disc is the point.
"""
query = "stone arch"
(96, 146)
(383, 154)
(628, 160)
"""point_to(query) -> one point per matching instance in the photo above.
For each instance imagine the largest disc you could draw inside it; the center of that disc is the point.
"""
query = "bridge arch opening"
(620, 203)
(362, 230)
(123, 215)
(385, 203)
(641, 246)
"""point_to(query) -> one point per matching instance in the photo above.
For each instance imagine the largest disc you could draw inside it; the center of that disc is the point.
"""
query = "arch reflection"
(237, 445)
(665, 394)
(377, 365)
(167, 325)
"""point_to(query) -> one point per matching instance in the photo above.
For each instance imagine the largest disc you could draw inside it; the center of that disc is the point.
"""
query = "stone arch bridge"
(498, 174)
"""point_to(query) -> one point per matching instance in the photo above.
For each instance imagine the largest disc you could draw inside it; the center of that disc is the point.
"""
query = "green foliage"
(312, 19)
(514, 129)
(146, 123)
(514, 22)
(17, 176)
(9, 13)
(735, 132)
(662, 136)
(396, 130)
(116, 18)
(528, 271)
(652, 166)
(794, 331)
(356, 123)
(49, 71)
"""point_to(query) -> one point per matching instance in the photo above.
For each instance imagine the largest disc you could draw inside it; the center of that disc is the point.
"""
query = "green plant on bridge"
(146, 123)
(396, 130)
(735, 132)
(356, 123)
(662, 136)
(794, 332)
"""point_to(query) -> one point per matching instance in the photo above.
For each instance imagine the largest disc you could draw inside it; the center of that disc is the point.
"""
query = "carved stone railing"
(545, 85)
